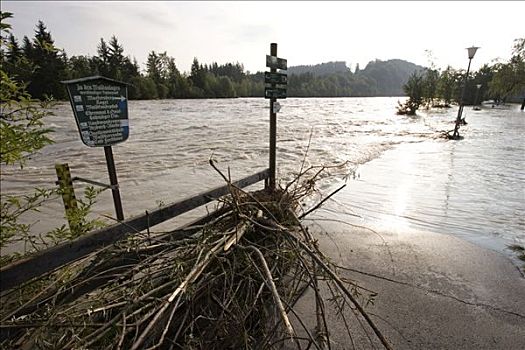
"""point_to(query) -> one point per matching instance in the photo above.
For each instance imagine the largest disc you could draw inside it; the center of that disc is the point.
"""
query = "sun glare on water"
(395, 210)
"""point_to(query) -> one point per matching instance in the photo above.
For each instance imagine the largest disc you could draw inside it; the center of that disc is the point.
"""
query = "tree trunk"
(523, 104)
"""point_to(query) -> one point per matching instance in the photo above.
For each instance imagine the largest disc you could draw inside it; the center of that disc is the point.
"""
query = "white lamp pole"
(477, 101)
(471, 52)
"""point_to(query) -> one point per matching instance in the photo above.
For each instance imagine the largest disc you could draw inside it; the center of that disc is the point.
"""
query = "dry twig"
(205, 291)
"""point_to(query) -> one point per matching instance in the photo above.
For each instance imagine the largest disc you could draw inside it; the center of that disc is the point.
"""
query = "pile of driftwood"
(229, 284)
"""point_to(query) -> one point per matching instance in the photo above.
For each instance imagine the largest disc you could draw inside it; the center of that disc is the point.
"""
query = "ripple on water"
(474, 187)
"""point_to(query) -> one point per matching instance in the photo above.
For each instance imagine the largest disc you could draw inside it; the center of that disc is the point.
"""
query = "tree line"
(500, 82)
(39, 64)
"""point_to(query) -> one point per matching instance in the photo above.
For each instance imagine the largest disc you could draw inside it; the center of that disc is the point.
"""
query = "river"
(399, 174)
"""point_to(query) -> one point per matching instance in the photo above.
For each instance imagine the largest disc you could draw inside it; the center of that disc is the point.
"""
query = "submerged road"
(434, 291)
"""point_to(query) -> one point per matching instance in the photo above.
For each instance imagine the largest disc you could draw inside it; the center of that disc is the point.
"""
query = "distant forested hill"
(379, 78)
(320, 69)
(389, 75)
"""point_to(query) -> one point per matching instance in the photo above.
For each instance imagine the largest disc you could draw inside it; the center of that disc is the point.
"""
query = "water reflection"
(474, 189)
(399, 198)
(450, 176)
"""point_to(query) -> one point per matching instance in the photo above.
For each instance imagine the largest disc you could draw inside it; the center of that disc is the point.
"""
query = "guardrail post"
(67, 191)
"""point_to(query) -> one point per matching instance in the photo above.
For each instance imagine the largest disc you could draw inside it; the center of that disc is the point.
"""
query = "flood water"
(399, 175)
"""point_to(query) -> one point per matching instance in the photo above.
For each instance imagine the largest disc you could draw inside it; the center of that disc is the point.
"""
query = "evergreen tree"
(10, 55)
(112, 63)
(27, 48)
(103, 58)
(198, 78)
(13, 59)
(153, 67)
(157, 71)
(49, 65)
(178, 86)
(115, 58)
(13, 52)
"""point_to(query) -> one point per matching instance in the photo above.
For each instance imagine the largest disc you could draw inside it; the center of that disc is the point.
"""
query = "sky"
(307, 32)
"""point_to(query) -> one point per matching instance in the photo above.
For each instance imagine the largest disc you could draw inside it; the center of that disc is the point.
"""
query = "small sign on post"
(274, 92)
(276, 107)
(275, 78)
(275, 81)
(100, 106)
(276, 62)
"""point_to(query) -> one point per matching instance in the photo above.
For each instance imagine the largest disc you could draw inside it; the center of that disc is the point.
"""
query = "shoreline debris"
(231, 284)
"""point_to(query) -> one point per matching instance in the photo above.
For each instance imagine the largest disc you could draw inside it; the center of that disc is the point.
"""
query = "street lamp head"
(478, 85)
(472, 51)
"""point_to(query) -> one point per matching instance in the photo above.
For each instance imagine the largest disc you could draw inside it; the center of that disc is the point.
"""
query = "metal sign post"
(273, 92)
(100, 106)
(114, 182)
(273, 126)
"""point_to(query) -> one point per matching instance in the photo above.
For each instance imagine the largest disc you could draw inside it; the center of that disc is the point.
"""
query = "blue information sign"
(100, 106)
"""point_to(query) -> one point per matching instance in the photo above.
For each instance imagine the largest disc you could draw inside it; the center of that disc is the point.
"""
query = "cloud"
(307, 32)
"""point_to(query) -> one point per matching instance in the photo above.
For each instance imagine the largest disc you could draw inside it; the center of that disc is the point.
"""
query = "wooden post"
(68, 192)
(114, 182)
(273, 127)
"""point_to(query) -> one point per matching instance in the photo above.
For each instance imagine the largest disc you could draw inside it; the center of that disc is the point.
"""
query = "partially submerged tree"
(430, 86)
(445, 87)
(482, 78)
(414, 90)
(509, 78)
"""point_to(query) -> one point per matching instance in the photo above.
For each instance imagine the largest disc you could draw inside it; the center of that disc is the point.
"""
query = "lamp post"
(477, 101)
(471, 52)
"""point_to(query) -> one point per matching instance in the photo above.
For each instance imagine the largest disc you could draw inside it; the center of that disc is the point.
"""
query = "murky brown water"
(474, 188)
